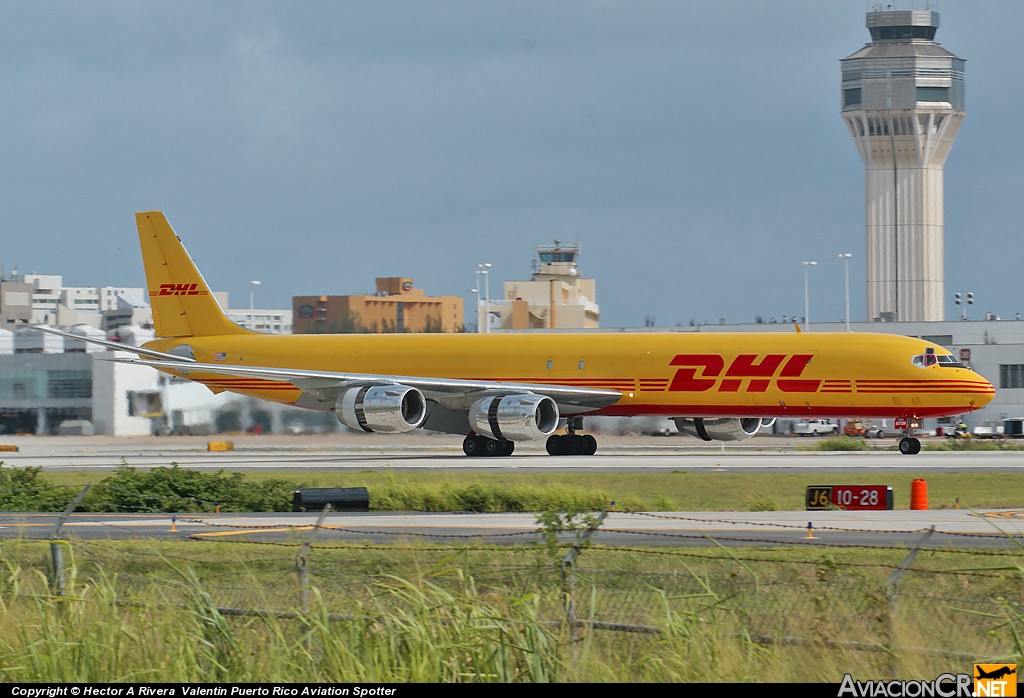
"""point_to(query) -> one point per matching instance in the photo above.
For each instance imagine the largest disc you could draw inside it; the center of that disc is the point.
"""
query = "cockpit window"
(930, 358)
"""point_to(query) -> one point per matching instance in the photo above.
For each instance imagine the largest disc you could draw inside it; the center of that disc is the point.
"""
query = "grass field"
(161, 611)
(644, 491)
(164, 612)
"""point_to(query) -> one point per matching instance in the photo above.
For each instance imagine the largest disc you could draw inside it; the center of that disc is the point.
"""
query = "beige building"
(396, 307)
(557, 297)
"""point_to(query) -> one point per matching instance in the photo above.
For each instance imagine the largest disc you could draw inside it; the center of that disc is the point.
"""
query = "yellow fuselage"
(669, 374)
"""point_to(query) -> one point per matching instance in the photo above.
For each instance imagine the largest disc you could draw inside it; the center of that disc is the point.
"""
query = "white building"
(267, 320)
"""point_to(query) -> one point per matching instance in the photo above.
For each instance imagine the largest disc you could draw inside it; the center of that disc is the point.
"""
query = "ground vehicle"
(857, 427)
(815, 427)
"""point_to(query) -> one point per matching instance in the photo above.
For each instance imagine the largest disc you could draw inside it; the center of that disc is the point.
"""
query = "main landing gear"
(568, 444)
(572, 444)
(476, 445)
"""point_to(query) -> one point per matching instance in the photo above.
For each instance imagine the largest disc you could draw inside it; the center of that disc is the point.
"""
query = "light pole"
(252, 312)
(964, 299)
(845, 256)
(476, 290)
(483, 319)
(807, 302)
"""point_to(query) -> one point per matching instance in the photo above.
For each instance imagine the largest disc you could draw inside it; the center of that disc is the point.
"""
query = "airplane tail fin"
(182, 303)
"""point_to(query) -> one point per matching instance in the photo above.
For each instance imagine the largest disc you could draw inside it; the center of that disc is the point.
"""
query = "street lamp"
(482, 324)
(807, 310)
(964, 299)
(252, 313)
(845, 256)
(476, 290)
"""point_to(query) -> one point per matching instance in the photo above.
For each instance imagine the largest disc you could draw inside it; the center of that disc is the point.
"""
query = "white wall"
(111, 383)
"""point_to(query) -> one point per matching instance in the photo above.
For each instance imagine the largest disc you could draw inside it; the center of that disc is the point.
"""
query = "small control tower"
(555, 297)
(903, 101)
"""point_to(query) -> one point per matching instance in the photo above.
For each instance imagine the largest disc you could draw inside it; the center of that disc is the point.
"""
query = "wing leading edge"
(320, 389)
(118, 346)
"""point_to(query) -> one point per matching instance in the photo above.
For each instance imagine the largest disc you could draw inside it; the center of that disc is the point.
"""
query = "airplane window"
(947, 360)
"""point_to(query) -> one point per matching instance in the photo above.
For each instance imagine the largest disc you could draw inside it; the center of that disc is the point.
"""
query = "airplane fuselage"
(772, 374)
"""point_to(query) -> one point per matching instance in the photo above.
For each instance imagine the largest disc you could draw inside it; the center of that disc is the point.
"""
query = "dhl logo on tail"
(178, 290)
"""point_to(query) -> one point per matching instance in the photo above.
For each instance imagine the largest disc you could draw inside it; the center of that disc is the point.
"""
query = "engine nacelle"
(721, 428)
(387, 409)
(516, 417)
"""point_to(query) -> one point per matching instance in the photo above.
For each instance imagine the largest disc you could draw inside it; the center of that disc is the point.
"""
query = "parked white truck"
(815, 427)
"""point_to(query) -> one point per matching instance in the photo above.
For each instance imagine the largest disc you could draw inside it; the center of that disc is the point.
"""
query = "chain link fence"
(969, 600)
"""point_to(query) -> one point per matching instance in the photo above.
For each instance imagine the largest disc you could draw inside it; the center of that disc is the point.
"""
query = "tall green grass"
(421, 615)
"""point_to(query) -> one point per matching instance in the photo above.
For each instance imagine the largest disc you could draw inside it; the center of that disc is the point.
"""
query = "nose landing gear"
(910, 445)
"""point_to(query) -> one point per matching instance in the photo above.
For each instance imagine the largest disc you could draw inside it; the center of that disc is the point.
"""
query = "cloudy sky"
(694, 149)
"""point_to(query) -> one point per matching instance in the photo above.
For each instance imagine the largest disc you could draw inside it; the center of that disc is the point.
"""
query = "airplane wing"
(320, 389)
(118, 346)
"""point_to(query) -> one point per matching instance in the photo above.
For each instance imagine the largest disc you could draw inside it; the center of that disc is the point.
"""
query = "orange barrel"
(919, 494)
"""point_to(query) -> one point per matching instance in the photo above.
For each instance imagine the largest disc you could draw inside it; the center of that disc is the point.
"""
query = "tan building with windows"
(396, 307)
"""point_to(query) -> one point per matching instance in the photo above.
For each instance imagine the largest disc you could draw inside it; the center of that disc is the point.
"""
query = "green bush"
(22, 489)
(179, 490)
(842, 443)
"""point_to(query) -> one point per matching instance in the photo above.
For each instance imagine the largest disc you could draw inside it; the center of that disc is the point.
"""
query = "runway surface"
(437, 451)
(945, 528)
(630, 453)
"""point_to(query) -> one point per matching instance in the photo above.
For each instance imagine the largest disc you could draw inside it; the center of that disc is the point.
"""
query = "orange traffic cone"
(919, 494)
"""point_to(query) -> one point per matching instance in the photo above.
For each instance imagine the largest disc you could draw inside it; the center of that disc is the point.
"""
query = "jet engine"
(387, 409)
(516, 417)
(721, 428)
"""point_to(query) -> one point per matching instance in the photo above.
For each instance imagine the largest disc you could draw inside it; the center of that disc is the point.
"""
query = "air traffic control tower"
(903, 101)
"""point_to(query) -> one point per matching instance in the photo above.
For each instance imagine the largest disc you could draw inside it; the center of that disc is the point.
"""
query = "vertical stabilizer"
(182, 303)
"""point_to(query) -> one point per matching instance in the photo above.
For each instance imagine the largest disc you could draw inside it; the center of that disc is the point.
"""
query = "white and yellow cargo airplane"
(497, 389)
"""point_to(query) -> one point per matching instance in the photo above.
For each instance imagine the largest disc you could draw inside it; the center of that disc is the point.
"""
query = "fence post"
(301, 569)
(56, 552)
(568, 575)
(892, 592)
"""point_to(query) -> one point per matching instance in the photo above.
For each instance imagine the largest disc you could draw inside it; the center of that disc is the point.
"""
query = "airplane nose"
(983, 393)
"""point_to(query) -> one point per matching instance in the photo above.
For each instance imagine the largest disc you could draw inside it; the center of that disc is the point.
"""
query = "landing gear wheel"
(477, 446)
(910, 445)
(571, 445)
(555, 445)
(575, 446)
(473, 446)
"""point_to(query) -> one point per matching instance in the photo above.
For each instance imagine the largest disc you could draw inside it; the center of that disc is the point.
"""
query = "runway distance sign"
(851, 497)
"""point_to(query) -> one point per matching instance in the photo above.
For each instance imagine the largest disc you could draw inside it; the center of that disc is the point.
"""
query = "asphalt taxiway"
(348, 451)
(629, 453)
